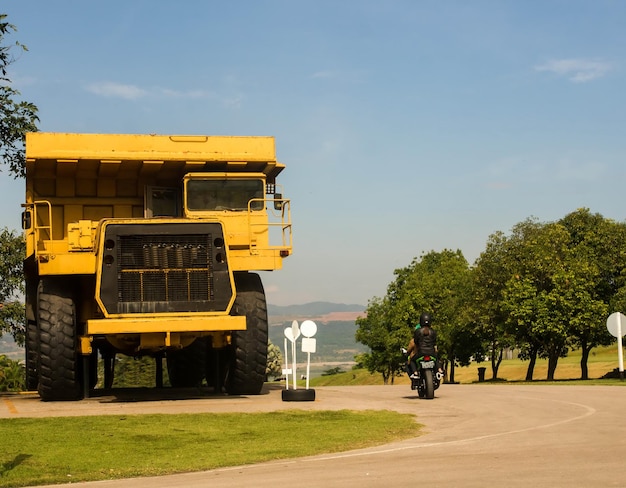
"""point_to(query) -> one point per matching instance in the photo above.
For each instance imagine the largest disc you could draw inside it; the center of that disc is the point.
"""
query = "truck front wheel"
(59, 366)
(247, 359)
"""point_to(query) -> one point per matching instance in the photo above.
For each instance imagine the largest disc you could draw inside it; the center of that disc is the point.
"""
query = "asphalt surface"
(474, 436)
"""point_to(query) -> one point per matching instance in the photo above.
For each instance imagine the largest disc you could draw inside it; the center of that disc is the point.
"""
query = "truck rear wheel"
(32, 355)
(59, 366)
(186, 367)
(248, 355)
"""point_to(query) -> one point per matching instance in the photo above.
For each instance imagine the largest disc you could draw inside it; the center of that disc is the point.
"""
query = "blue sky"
(406, 126)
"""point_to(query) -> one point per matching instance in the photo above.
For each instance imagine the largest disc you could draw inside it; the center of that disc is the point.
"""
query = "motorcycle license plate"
(428, 364)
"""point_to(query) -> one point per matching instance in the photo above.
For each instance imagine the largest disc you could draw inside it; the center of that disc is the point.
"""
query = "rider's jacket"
(426, 341)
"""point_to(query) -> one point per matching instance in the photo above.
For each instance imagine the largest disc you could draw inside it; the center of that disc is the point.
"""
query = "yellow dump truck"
(147, 245)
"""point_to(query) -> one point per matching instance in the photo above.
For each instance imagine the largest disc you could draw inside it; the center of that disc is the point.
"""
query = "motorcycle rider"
(425, 337)
(411, 350)
(425, 341)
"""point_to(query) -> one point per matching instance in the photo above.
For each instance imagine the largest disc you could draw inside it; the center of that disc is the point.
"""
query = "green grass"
(601, 361)
(71, 449)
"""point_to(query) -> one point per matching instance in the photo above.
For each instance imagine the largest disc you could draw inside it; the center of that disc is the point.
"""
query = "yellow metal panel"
(58, 229)
(45, 187)
(97, 212)
(139, 325)
(123, 211)
(126, 188)
(70, 263)
(64, 187)
(86, 187)
(73, 213)
(108, 168)
(51, 145)
(106, 187)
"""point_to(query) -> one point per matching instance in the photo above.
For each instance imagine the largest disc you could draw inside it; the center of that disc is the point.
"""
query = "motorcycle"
(427, 377)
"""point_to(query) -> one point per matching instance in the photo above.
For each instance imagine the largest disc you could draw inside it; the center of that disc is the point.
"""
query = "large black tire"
(186, 367)
(32, 355)
(217, 367)
(248, 352)
(60, 365)
(429, 388)
(302, 395)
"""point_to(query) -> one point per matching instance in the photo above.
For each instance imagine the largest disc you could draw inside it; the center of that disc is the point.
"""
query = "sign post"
(616, 324)
(307, 330)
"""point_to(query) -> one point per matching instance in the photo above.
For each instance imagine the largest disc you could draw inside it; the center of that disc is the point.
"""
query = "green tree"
(134, 372)
(384, 336)
(12, 374)
(274, 361)
(438, 283)
(490, 274)
(548, 295)
(16, 117)
(599, 248)
(11, 285)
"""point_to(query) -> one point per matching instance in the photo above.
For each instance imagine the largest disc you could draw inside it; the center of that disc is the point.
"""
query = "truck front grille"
(150, 268)
(165, 268)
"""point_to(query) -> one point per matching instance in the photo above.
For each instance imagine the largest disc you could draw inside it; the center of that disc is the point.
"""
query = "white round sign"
(308, 328)
(616, 320)
(289, 334)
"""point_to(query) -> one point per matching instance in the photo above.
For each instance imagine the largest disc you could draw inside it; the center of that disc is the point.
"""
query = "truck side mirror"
(278, 203)
(26, 220)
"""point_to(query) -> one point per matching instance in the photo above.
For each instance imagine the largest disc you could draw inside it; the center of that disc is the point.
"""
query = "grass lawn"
(72, 449)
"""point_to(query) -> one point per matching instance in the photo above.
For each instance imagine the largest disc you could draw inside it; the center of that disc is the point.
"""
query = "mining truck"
(150, 245)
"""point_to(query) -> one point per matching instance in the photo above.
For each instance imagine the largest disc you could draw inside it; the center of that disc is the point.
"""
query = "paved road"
(474, 436)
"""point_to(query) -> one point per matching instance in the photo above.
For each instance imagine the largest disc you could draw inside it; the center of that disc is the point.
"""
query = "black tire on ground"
(32, 355)
(216, 367)
(186, 367)
(60, 365)
(247, 359)
(302, 395)
(421, 388)
(428, 384)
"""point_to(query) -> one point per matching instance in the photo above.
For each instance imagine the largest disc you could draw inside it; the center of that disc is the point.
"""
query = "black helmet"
(425, 320)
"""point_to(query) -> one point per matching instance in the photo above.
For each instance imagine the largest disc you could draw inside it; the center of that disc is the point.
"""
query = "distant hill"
(312, 309)
(335, 333)
(9, 348)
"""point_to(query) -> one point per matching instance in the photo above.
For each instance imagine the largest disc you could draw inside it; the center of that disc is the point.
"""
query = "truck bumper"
(136, 325)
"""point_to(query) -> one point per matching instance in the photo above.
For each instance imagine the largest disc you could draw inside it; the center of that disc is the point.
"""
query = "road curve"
(474, 436)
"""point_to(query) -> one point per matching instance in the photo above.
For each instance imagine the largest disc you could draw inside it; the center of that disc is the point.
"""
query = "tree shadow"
(10, 465)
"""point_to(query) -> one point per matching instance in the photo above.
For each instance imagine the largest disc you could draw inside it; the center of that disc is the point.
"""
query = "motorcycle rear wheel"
(429, 387)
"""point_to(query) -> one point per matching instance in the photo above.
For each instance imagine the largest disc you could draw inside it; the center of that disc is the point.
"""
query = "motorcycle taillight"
(426, 358)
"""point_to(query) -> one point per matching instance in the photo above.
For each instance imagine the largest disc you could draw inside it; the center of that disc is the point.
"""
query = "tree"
(489, 277)
(12, 285)
(440, 283)
(534, 294)
(11, 374)
(16, 117)
(437, 282)
(384, 335)
(274, 361)
(599, 248)
(134, 372)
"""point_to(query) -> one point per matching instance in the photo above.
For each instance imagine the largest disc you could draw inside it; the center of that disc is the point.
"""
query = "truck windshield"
(224, 194)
